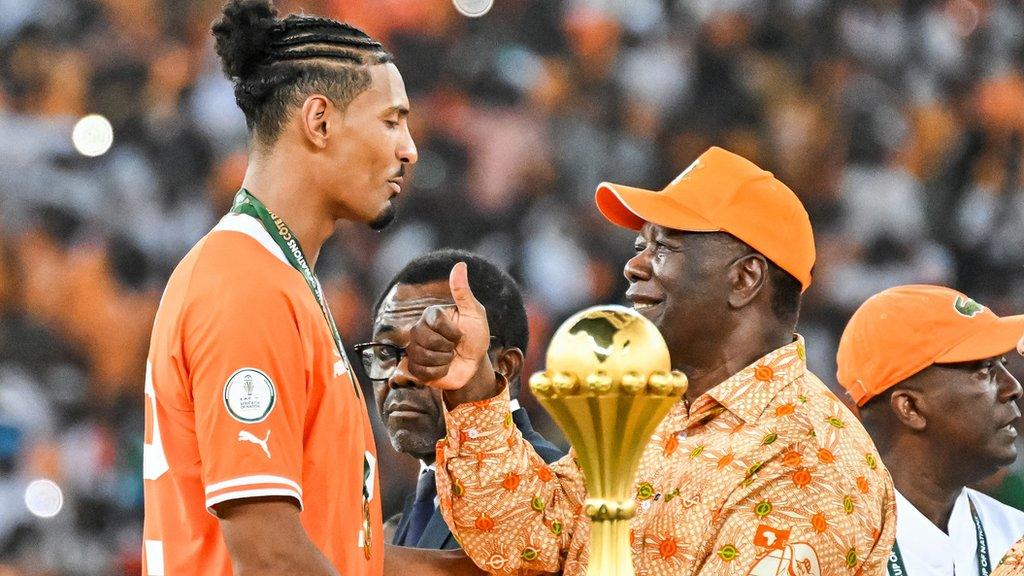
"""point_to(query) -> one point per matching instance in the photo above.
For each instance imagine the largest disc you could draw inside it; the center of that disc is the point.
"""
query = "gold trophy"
(608, 385)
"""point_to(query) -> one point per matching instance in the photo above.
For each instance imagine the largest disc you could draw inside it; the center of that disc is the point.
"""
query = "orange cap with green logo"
(723, 192)
(903, 330)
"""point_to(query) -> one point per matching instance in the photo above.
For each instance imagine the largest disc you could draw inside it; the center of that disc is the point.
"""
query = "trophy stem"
(610, 553)
(609, 383)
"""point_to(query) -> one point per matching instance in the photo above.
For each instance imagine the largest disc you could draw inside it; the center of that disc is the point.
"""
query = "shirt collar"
(923, 546)
(748, 392)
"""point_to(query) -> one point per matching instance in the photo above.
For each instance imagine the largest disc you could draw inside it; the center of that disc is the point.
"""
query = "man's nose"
(638, 267)
(1009, 386)
(407, 152)
(402, 378)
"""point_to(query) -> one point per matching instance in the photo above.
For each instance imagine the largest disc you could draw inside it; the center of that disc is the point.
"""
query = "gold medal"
(366, 529)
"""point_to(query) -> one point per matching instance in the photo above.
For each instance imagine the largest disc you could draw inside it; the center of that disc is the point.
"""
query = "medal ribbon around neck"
(246, 203)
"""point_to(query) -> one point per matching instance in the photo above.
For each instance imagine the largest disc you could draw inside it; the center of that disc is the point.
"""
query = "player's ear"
(509, 362)
(314, 119)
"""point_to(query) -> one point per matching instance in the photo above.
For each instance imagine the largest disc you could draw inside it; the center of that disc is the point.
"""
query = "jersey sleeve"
(245, 361)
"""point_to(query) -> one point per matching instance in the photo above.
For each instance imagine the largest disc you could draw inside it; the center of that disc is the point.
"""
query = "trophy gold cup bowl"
(608, 383)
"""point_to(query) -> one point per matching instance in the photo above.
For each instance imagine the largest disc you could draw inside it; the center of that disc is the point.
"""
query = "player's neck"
(276, 183)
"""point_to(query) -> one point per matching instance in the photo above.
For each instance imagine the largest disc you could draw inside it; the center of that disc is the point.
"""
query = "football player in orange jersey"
(259, 457)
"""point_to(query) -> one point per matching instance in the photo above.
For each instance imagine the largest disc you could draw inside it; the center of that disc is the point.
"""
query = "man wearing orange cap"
(760, 470)
(925, 365)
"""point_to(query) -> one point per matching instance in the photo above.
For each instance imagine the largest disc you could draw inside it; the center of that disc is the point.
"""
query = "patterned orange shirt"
(767, 473)
(1012, 563)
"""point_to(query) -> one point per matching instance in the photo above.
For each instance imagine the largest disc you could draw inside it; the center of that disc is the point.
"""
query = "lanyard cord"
(897, 567)
(246, 203)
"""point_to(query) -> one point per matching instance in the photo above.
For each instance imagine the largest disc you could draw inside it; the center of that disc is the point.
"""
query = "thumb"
(458, 282)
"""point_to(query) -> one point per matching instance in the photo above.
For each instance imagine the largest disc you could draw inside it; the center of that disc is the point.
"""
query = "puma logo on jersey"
(245, 436)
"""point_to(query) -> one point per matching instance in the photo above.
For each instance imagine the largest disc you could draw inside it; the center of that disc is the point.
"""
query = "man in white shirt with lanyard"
(926, 367)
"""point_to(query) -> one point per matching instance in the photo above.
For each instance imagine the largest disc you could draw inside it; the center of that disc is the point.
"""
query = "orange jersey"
(247, 396)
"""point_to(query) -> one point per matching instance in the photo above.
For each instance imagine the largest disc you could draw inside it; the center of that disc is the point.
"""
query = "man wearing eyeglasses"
(412, 412)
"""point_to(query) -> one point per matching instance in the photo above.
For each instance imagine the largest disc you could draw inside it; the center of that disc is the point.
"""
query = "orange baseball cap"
(723, 192)
(903, 330)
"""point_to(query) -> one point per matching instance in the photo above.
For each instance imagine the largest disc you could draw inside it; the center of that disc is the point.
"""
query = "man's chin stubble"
(416, 446)
(386, 216)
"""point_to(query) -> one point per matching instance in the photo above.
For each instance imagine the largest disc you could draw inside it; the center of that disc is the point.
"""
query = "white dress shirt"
(928, 551)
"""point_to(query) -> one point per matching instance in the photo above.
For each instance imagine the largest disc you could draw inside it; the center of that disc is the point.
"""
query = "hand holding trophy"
(608, 384)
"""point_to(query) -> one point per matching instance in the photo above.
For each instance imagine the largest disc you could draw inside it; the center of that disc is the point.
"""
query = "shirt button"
(472, 433)
(681, 436)
(646, 504)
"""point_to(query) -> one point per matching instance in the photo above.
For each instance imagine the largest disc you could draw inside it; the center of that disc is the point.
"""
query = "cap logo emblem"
(967, 308)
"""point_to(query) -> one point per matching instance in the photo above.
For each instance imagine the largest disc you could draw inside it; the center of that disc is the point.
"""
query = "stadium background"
(898, 123)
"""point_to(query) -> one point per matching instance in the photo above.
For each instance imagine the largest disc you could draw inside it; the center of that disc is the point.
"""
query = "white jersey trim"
(254, 229)
(154, 557)
(243, 494)
(251, 480)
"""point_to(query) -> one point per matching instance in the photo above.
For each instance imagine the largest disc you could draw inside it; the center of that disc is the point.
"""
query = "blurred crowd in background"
(899, 124)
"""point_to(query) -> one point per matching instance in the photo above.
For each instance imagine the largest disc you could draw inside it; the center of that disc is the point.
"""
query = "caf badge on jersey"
(249, 395)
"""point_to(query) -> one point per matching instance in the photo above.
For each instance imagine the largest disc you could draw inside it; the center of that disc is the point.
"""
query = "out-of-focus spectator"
(900, 125)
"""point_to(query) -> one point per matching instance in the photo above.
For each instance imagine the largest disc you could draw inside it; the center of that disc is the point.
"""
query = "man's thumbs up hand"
(448, 345)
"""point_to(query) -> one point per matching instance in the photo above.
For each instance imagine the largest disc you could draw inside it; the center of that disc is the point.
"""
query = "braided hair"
(274, 64)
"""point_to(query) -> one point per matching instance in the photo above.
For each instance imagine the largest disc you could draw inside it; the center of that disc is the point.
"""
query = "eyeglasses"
(380, 359)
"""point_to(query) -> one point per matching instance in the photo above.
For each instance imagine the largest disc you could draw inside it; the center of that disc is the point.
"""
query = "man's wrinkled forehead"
(403, 312)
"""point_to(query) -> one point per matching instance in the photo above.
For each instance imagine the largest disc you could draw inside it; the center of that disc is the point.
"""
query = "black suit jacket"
(437, 536)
